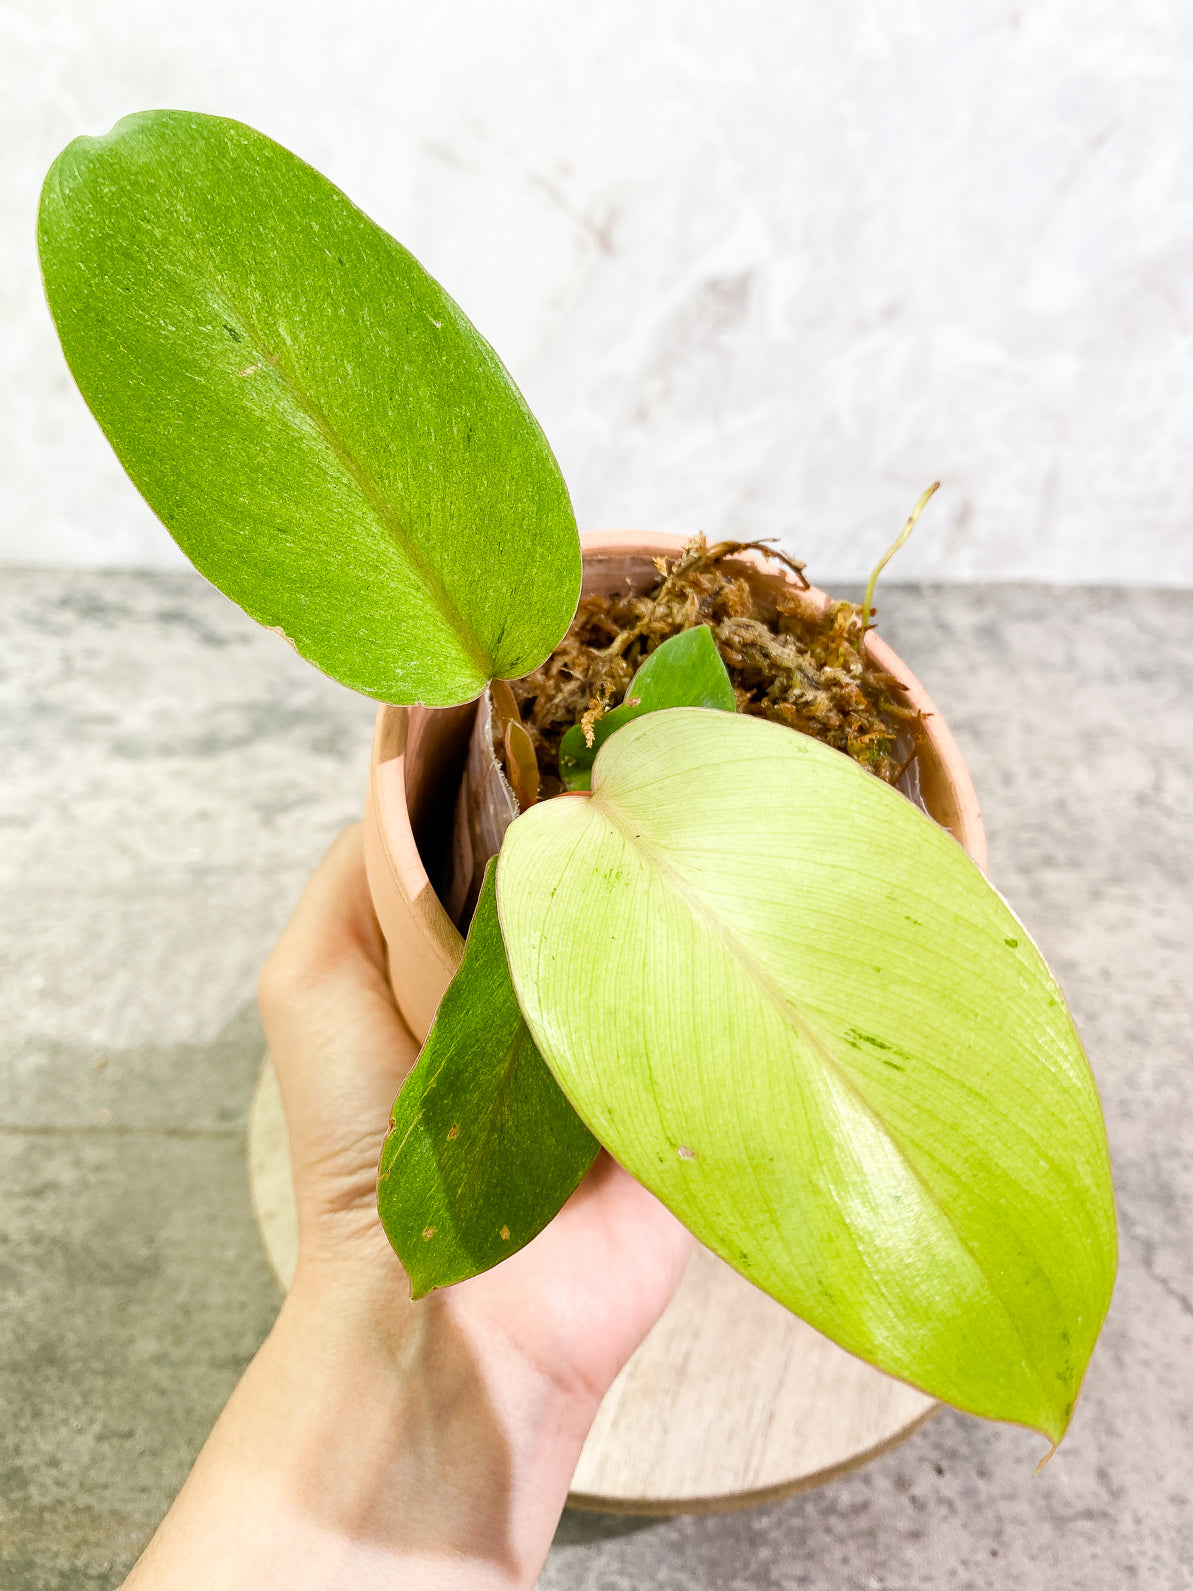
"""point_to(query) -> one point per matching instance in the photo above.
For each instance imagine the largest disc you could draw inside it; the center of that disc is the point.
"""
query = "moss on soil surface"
(794, 666)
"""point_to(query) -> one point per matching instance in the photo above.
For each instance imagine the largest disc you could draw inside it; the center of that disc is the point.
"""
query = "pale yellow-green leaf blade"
(795, 1009)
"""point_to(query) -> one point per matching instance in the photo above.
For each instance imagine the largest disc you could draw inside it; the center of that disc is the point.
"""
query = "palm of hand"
(577, 1300)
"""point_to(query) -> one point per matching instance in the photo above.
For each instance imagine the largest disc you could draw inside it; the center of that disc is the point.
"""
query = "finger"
(334, 920)
(339, 1046)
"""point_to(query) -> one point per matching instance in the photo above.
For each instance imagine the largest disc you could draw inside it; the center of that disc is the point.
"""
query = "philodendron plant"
(779, 994)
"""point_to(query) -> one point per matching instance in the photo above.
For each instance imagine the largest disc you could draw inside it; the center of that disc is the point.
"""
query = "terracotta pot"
(418, 755)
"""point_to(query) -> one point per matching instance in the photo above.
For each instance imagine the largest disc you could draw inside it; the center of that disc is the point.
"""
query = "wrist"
(419, 1430)
(374, 1442)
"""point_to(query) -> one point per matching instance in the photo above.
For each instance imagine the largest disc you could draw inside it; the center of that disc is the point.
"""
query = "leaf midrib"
(673, 878)
(383, 511)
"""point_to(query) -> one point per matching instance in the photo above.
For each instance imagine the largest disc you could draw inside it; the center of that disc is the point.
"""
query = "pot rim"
(398, 880)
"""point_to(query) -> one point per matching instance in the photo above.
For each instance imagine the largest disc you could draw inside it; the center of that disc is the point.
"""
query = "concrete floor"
(171, 775)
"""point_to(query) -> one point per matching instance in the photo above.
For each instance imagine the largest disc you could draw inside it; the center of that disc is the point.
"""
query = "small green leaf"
(315, 421)
(793, 1007)
(483, 1148)
(685, 671)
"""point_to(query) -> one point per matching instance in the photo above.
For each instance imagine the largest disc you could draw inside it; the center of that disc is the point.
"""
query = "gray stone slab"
(171, 776)
(133, 1295)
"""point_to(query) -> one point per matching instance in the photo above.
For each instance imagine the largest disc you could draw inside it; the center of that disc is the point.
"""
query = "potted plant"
(774, 988)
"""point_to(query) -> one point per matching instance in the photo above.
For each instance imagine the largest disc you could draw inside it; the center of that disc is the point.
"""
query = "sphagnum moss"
(798, 667)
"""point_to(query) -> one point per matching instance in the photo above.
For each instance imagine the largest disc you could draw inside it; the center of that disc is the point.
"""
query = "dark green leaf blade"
(318, 425)
(483, 1148)
(685, 671)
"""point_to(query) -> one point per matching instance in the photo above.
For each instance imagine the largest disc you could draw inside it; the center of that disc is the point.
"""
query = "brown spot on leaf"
(505, 1234)
(428, 1233)
(454, 1130)
(685, 1153)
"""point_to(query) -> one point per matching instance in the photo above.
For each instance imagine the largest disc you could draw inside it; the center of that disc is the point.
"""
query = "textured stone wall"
(762, 269)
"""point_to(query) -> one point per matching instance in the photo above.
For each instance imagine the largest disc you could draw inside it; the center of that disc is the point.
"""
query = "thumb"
(339, 1047)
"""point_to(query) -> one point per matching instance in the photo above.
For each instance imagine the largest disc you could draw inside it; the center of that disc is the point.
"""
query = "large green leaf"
(320, 428)
(483, 1149)
(794, 1008)
(686, 671)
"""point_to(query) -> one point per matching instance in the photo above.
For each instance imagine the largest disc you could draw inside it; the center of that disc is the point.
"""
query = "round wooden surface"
(730, 1401)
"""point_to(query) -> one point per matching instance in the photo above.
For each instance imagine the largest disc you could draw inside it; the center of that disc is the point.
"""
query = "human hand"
(393, 1442)
(578, 1299)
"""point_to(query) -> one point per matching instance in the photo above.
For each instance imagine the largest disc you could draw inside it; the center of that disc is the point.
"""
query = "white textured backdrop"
(761, 269)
